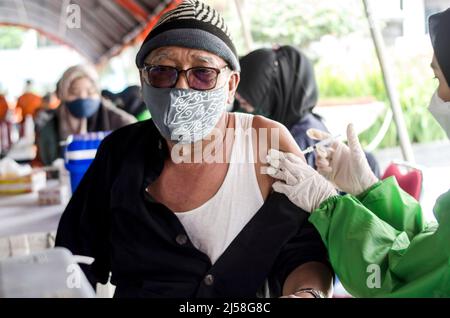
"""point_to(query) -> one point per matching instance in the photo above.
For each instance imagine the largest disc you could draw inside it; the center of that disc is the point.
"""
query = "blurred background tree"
(297, 23)
(301, 23)
(11, 37)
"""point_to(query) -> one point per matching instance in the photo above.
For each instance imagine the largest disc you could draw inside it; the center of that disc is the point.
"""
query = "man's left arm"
(302, 268)
(309, 280)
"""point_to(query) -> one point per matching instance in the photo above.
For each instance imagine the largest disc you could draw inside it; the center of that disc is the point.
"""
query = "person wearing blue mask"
(379, 243)
(179, 206)
(82, 110)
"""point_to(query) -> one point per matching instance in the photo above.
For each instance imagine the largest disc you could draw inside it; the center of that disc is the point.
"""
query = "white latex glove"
(303, 185)
(345, 166)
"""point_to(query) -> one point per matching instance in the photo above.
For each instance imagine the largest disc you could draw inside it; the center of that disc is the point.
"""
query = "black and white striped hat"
(195, 25)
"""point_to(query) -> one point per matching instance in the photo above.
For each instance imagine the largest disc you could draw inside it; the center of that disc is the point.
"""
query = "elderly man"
(169, 227)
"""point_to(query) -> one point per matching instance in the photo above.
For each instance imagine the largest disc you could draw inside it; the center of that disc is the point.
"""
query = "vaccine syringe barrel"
(79, 154)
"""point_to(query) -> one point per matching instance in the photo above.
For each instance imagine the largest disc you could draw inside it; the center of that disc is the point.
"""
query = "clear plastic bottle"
(28, 130)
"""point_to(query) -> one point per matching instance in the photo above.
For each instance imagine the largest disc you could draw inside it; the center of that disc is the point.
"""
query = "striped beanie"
(194, 25)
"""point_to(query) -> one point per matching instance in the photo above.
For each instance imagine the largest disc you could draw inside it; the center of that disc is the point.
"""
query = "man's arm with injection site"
(315, 273)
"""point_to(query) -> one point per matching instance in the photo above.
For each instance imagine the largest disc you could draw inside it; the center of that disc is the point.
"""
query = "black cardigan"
(111, 218)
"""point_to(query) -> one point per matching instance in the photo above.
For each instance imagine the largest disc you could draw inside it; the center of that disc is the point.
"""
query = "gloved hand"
(303, 185)
(345, 166)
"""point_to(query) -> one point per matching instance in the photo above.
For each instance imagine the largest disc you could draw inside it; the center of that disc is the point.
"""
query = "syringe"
(324, 142)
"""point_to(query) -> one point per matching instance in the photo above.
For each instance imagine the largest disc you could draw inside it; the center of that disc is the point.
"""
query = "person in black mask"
(280, 84)
(82, 110)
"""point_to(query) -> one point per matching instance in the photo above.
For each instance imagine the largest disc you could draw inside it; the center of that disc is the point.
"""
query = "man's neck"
(199, 152)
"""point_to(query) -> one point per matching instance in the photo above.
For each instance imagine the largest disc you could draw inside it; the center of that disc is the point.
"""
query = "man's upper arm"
(307, 245)
(278, 136)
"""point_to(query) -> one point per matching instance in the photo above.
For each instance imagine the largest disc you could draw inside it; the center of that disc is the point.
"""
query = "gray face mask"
(185, 115)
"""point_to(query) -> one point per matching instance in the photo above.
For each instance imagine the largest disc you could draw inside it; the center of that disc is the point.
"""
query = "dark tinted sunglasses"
(198, 78)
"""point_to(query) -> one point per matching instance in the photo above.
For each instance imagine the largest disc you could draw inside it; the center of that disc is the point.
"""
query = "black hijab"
(279, 83)
(439, 32)
(130, 100)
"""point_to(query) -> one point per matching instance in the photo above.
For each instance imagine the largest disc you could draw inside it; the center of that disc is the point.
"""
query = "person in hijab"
(379, 243)
(281, 85)
(82, 110)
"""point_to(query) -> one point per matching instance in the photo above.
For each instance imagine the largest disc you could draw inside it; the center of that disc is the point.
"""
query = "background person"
(82, 110)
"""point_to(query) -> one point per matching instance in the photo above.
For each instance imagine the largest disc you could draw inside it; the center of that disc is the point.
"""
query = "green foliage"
(11, 37)
(292, 22)
(300, 23)
(415, 93)
(332, 85)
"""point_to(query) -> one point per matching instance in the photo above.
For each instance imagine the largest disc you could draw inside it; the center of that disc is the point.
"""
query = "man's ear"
(232, 86)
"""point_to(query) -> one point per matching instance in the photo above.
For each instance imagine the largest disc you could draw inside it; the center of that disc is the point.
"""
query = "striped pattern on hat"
(192, 9)
(195, 25)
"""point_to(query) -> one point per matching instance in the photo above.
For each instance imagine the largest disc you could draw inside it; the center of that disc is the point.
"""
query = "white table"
(21, 214)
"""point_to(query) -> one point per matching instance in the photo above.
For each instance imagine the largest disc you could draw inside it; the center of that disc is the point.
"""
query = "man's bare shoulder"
(275, 131)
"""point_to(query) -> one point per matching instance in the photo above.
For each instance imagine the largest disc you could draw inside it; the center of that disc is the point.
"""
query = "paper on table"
(11, 169)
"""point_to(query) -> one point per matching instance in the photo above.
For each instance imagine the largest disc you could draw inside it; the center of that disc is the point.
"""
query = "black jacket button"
(181, 239)
(209, 280)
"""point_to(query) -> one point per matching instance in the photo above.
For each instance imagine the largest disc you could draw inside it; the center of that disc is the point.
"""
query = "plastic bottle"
(28, 130)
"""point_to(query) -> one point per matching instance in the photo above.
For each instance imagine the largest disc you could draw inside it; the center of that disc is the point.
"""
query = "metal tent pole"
(393, 96)
(248, 39)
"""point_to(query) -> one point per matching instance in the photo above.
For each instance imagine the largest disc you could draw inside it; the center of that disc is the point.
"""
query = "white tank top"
(215, 224)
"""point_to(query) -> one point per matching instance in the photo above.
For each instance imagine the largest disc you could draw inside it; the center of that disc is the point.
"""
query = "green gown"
(380, 245)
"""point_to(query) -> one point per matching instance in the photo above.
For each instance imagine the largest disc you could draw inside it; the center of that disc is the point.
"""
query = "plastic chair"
(409, 177)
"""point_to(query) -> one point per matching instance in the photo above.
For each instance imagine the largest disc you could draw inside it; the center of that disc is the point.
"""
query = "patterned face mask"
(185, 115)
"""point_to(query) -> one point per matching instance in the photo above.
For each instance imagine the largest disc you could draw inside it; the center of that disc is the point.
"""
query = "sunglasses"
(198, 78)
